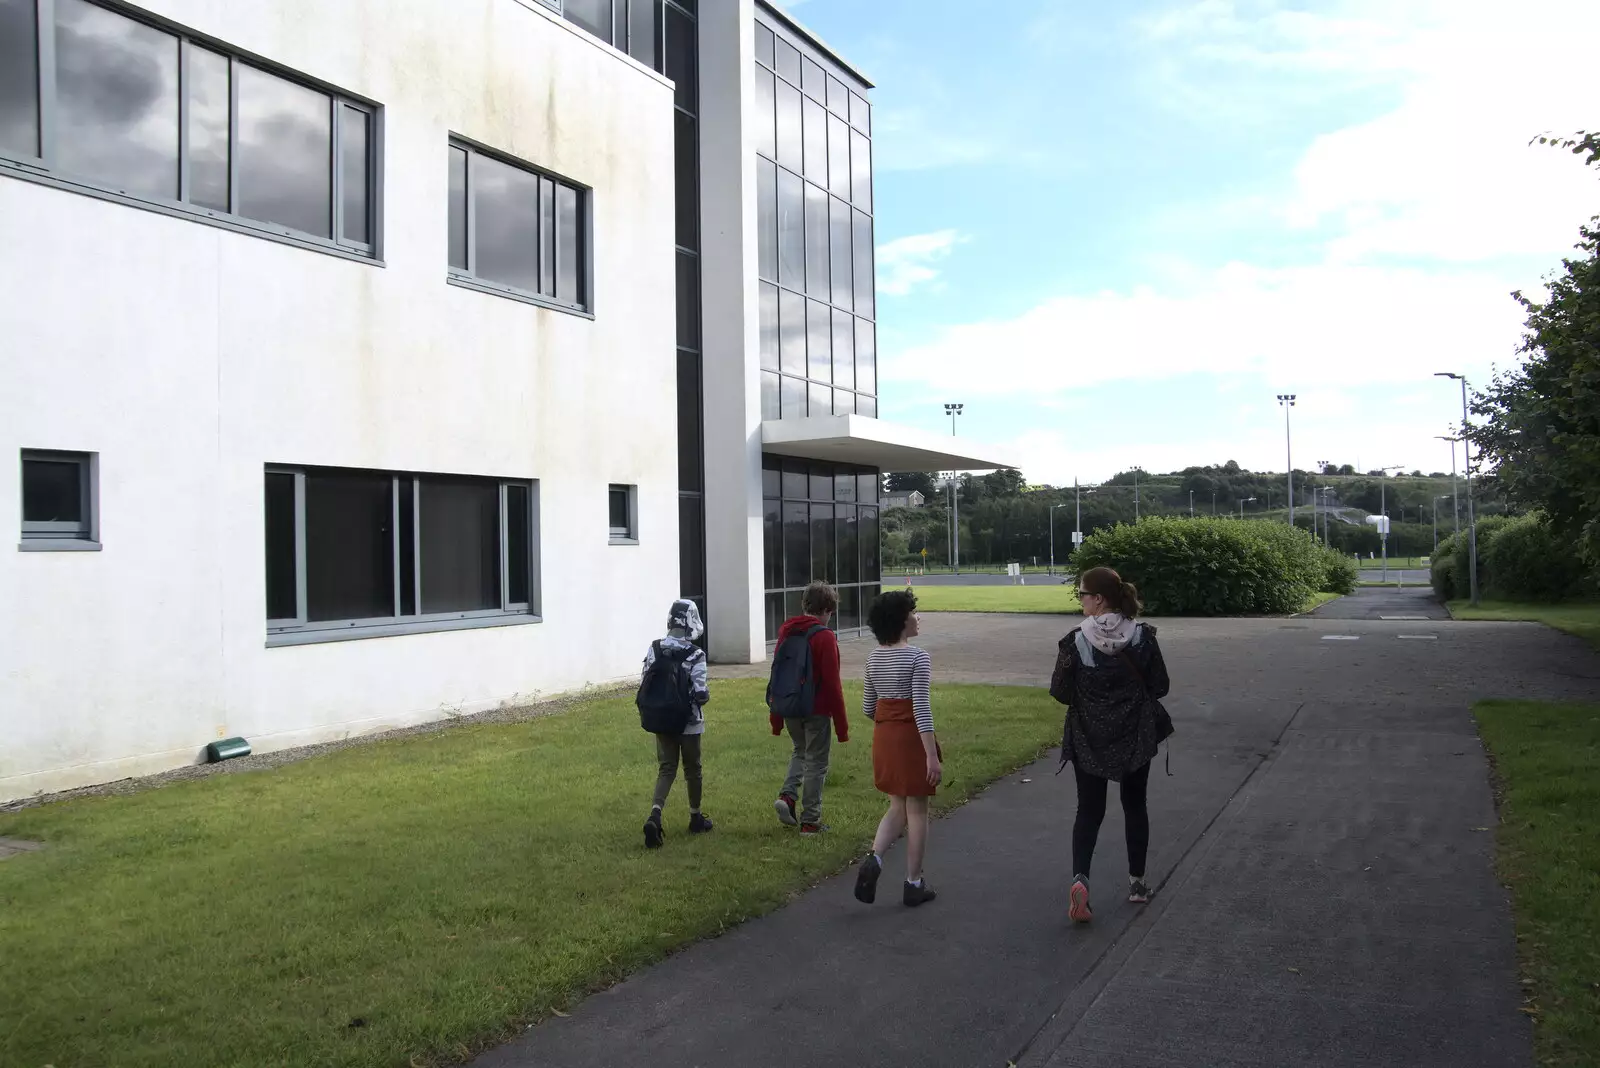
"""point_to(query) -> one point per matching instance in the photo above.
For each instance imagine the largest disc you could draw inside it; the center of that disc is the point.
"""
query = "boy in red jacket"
(808, 767)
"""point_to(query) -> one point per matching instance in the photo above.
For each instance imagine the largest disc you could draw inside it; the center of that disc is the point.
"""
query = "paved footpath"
(1321, 853)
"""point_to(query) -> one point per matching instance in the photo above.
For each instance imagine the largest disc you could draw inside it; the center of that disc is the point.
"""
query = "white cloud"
(909, 262)
(1420, 219)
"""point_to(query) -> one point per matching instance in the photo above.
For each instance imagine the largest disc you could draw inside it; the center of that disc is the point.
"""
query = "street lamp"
(953, 410)
(1383, 512)
(1053, 508)
(1242, 503)
(1436, 501)
(1077, 523)
(1327, 517)
(1287, 402)
(1136, 493)
(1455, 489)
(1191, 504)
(1466, 460)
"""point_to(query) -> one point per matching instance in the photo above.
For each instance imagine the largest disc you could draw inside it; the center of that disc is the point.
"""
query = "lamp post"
(1327, 518)
(1242, 503)
(1466, 461)
(1191, 504)
(1383, 512)
(1053, 508)
(1077, 523)
(1436, 501)
(1213, 504)
(953, 410)
(1136, 493)
(1287, 401)
(1455, 489)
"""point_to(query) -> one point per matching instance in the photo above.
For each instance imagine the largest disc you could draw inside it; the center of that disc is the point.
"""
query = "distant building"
(914, 499)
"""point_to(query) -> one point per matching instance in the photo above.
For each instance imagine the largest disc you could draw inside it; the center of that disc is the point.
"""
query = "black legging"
(1092, 809)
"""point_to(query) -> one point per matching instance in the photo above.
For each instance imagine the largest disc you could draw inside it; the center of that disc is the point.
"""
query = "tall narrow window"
(519, 545)
(458, 528)
(19, 77)
(643, 31)
(767, 219)
(819, 348)
(816, 242)
(282, 555)
(790, 139)
(838, 157)
(769, 346)
(792, 333)
(815, 127)
(861, 172)
(862, 226)
(210, 96)
(766, 117)
(791, 230)
(624, 526)
(355, 162)
(515, 231)
(866, 357)
(840, 257)
(844, 350)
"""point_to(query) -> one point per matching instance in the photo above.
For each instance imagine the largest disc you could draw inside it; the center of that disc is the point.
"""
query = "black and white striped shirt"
(899, 672)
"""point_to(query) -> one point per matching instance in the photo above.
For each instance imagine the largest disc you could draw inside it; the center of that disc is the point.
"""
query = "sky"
(1116, 231)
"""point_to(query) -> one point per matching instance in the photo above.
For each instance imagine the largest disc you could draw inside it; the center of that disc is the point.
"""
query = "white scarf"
(1109, 633)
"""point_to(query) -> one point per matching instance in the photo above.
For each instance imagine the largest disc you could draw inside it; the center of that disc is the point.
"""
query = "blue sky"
(1117, 231)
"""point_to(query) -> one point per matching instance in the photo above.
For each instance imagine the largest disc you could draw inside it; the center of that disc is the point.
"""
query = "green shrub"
(1339, 573)
(1443, 577)
(1527, 561)
(1215, 567)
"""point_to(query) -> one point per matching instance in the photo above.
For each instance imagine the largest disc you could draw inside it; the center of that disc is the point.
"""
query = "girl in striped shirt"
(905, 752)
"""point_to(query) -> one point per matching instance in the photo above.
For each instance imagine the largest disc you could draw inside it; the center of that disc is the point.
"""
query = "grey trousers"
(669, 749)
(808, 767)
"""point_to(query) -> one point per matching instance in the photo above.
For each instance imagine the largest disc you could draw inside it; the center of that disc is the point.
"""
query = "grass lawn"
(1319, 599)
(1547, 760)
(1580, 619)
(414, 900)
(1047, 597)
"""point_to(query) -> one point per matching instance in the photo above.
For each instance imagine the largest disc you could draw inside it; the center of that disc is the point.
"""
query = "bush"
(1340, 574)
(1527, 561)
(1443, 576)
(1216, 567)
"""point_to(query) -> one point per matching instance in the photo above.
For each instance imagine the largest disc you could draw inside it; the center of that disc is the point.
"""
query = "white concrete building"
(339, 346)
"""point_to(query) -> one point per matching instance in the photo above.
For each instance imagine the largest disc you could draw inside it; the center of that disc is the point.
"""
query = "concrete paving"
(1385, 603)
(1322, 856)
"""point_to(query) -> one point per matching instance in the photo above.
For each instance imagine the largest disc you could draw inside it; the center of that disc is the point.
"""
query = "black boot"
(918, 895)
(699, 823)
(653, 834)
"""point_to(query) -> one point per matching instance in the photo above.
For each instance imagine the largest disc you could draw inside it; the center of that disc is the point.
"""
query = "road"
(1322, 854)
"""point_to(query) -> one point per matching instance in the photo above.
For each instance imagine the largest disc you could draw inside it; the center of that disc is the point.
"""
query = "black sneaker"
(698, 823)
(1138, 890)
(918, 895)
(867, 880)
(653, 834)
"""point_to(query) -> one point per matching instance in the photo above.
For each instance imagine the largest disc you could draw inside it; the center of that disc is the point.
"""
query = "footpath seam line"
(1122, 949)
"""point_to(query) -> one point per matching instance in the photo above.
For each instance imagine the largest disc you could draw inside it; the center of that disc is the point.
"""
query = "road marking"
(1341, 637)
(1407, 619)
(1418, 637)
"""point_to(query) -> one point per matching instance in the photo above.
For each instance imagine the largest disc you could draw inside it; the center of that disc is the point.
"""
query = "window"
(369, 553)
(624, 508)
(515, 231)
(129, 109)
(819, 521)
(58, 500)
(814, 234)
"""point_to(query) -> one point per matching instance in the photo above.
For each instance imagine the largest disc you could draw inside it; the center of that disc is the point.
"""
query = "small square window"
(58, 507)
(624, 509)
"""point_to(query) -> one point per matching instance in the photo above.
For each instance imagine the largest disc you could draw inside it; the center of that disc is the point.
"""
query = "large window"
(814, 216)
(110, 104)
(631, 26)
(517, 231)
(820, 522)
(359, 553)
(58, 500)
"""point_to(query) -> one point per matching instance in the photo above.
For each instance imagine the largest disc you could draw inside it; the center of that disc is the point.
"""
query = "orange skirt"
(899, 762)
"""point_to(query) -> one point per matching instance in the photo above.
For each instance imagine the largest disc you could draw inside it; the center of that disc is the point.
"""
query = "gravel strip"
(266, 761)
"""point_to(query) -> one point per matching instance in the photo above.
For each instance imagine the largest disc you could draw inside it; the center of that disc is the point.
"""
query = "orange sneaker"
(1078, 910)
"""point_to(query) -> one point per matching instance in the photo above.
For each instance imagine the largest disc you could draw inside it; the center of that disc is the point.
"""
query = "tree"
(1581, 143)
(909, 482)
(1539, 425)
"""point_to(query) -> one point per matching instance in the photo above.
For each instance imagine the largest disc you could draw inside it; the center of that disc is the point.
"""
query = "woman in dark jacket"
(1110, 675)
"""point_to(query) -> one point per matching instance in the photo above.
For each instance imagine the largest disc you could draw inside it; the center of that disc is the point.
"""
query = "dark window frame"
(299, 630)
(62, 536)
(628, 533)
(467, 277)
(43, 169)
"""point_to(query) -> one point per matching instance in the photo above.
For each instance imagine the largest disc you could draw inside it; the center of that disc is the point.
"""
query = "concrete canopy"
(856, 439)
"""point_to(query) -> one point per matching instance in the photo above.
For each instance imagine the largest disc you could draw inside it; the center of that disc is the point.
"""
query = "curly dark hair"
(888, 614)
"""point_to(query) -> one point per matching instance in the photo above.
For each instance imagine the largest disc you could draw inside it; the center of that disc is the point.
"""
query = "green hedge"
(1519, 559)
(1218, 567)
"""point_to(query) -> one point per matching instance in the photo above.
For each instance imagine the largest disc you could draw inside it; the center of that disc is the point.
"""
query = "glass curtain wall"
(814, 195)
(820, 522)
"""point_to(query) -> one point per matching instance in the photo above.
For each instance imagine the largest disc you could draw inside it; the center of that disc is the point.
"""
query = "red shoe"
(785, 807)
(809, 829)
(1078, 910)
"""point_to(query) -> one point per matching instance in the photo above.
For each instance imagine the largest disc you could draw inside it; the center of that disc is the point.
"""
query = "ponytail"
(1131, 605)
